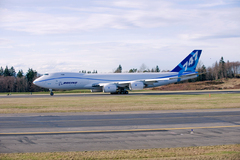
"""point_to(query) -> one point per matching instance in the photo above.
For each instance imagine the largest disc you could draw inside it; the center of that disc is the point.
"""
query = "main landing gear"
(51, 93)
(120, 92)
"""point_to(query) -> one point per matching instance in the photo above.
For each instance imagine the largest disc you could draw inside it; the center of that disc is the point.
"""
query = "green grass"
(197, 153)
(118, 103)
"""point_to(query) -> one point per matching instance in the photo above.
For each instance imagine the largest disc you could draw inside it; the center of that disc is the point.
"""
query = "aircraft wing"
(146, 81)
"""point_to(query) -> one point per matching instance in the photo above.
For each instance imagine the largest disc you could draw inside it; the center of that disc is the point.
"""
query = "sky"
(74, 35)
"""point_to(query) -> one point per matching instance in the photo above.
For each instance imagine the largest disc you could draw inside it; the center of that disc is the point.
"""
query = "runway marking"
(112, 131)
(89, 120)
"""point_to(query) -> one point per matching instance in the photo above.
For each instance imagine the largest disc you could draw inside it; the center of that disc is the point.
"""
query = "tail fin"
(189, 64)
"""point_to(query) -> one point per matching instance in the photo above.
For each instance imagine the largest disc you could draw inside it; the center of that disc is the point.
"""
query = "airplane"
(120, 83)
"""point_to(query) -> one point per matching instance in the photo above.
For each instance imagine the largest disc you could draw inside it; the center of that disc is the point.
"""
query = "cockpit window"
(46, 74)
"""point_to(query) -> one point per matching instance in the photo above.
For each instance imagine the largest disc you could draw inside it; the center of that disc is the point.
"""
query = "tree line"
(219, 70)
(143, 68)
(10, 81)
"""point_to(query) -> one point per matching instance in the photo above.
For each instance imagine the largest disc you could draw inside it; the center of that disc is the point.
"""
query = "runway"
(52, 132)
(237, 91)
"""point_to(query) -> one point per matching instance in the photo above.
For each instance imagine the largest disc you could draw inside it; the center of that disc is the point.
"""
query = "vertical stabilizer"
(189, 64)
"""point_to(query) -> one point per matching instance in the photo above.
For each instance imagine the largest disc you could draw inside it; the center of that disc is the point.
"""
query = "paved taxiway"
(49, 132)
(237, 91)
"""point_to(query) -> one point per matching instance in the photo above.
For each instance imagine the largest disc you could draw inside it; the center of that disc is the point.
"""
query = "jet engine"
(110, 88)
(136, 86)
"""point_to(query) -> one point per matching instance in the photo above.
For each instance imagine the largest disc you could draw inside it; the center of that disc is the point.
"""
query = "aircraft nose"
(36, 82)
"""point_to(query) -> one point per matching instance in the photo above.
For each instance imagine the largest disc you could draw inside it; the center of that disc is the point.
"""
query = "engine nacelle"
(110, 88)
(136, 86)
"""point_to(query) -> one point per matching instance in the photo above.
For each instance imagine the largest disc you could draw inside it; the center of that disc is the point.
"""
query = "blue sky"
(59, 35)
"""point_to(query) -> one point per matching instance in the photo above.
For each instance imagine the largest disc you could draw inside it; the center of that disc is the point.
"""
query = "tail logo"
(189, 64)
(191, 61)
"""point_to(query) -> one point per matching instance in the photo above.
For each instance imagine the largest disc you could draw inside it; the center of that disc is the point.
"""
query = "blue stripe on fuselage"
(177, 74)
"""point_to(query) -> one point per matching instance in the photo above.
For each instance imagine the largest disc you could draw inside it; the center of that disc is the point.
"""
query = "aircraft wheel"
(51, 93)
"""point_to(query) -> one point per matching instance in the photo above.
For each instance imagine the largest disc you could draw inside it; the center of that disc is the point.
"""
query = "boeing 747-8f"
(120, 83)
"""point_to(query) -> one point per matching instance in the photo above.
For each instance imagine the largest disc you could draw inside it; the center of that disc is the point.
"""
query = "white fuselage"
(69, 80)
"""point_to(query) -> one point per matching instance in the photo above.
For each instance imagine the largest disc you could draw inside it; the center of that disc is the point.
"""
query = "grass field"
(221, 152)
(118, 103)
(126, 103)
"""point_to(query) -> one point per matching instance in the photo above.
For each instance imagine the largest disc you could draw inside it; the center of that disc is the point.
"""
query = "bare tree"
(143, 68)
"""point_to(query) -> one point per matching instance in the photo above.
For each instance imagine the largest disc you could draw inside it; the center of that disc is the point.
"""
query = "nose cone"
(37, 82)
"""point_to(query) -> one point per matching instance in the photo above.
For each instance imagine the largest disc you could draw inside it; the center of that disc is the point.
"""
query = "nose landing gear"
(51, 93)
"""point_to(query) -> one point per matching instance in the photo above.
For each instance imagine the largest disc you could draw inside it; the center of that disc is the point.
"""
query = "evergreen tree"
(1, 71)
(94, 71)
(222, 71)
(6, 72)
(157, 69)
(20, 74)
(133, 70)
(31, 74)
(12, 72)
(119, 69)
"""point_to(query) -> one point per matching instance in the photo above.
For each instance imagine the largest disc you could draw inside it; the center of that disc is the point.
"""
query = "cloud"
(213, 3)
(144, 14)
(83, 35)
(6, 43)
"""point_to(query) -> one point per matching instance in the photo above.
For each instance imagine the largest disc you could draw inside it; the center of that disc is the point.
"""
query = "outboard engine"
(136, 86)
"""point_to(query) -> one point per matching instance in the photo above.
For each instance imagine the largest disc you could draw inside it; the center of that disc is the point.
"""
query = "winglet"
(189, 64)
